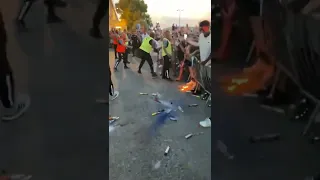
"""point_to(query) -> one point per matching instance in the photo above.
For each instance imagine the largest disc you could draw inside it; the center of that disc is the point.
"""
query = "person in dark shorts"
(13, 107)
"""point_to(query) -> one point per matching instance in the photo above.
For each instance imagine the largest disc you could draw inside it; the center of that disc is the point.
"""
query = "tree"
(133, 11)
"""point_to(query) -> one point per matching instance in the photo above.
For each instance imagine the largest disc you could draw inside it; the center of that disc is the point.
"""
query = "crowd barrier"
(296, 46)
(203, 73)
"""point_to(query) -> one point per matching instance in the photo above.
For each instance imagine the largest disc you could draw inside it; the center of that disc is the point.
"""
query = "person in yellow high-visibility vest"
(166, 54)
(148, 44)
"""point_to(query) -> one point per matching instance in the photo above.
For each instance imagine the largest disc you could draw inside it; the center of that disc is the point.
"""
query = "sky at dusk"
(165, 11)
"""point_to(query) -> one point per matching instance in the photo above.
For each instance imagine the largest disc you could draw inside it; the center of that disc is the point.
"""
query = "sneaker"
(18, 110)
(205, 123)
(139, 71)
(115, 95)
(126, 67)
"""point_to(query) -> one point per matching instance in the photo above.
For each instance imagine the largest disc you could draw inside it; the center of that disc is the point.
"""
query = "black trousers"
(166, 67)
(101, 11)
(111, 89)
(120, 58)
(145, 57)
(115, 51)
(125, 56)
(7, 90)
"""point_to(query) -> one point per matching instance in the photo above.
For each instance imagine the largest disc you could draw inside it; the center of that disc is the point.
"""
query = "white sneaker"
(21, 105)
(205, 123)
(115, 95)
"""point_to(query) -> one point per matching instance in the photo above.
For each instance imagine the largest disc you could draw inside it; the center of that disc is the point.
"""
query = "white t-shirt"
(204, 46)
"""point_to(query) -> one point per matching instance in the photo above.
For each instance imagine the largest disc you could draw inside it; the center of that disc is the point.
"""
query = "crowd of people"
(166, 52)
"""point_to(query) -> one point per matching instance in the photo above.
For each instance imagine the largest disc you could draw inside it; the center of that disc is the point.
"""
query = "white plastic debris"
(205, 123)
(157, 165)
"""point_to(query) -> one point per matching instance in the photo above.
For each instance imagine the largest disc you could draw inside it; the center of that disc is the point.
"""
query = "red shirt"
(121, 48)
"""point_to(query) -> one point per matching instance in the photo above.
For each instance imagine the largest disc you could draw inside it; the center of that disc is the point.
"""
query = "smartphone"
(185, 36)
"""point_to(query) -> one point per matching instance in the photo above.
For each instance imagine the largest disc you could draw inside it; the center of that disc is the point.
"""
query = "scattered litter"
(167, 151)
(224, 150)
(197, 96)
(265, 138)
(275, 109)
(113, 118)
(188, 136)
(205, 123)
(158, 112)
(143, 93)
(154, 94)
(111, 121)
(157, 165)
(209, 105)
(193, 105)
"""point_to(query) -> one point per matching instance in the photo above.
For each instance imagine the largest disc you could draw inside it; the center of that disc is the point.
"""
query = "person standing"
(13, 107)
(115, 36)
(166, 54)
(101, 11)
(121, 50)
(51, 14)
(126, 40)
(148, 44)
(206, 55)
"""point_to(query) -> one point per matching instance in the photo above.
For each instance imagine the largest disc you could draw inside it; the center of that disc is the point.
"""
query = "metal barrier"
(298, 57)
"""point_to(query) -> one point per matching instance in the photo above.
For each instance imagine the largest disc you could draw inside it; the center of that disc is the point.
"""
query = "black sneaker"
(126, 67)
(115, 69)
(95, 33)
(17, 110)
(54, 19)
(139, 71)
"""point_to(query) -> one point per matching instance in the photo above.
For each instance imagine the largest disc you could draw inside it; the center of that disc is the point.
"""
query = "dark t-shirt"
(180, 53)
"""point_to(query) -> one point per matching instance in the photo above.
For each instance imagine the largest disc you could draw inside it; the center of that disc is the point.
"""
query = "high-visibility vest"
(121, 48)
(145, 46)
(168, 49)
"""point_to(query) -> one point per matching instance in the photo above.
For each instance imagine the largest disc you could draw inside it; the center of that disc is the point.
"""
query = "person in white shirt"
(204, 45)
